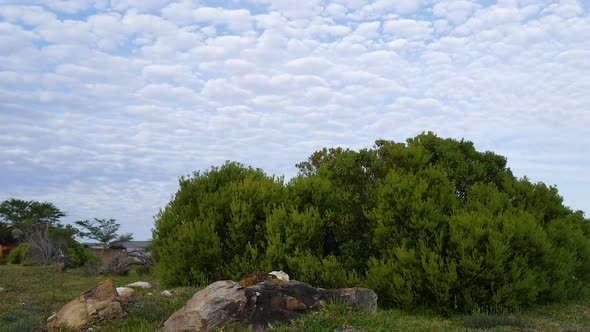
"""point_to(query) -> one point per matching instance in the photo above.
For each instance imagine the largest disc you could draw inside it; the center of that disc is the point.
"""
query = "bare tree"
(43, 248)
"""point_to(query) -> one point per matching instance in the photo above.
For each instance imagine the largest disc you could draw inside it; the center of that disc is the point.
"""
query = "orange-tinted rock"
(95, 304)
(256, 278)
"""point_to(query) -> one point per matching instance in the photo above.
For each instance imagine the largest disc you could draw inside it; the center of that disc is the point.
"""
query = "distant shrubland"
(430, 222)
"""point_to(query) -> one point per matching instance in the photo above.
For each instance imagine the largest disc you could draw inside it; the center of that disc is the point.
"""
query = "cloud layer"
(104, 104)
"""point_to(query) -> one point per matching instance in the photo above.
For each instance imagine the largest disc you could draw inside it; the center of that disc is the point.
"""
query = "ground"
(31, 294)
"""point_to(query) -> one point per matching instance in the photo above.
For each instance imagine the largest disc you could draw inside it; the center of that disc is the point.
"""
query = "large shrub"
(428, 222)
(215, 225)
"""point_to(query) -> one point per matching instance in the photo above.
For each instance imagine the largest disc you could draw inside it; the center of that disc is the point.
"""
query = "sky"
(105, 104)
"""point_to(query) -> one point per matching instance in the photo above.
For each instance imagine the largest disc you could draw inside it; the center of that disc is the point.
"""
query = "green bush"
(215, 225)
(18, 254)
(430, 222)
(78, 254)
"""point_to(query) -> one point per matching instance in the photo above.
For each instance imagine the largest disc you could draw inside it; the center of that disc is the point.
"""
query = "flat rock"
(140, 284)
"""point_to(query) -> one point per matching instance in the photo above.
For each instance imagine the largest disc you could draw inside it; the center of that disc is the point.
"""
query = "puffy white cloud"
(368, 30)
(455, 11)
(28, 15)
(565, 8)
(67, 6)
(138, 5)
(180, 12)
(309, 65)
(14, 38)
(238, 20)
(109, 102)
(221, 91)
(409, 29)
(294, 9)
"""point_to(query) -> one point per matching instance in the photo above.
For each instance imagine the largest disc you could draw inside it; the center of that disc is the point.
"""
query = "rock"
(216, 305)
(2, 289)
(127, 294)
(95, 304)
(255, 278)
(226, 302)
(357, 298)
(140, 284)
(280, 275)
(168, 293)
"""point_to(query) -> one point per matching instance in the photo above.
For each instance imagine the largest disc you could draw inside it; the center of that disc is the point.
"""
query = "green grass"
(33, 293)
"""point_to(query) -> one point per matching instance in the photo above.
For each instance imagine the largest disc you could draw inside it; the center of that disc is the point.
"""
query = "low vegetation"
(31, 294)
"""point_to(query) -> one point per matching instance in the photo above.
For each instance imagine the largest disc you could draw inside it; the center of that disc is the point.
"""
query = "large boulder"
(216, 305)
(100, 302)
(226, 302)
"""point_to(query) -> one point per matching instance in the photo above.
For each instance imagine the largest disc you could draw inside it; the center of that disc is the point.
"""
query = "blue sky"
(105, 104)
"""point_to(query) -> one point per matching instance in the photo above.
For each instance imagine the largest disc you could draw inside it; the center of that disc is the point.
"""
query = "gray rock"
(357, 298)
(216, 305)
(226, 302)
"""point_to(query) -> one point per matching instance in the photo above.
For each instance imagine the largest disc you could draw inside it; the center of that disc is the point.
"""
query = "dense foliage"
(428, 222)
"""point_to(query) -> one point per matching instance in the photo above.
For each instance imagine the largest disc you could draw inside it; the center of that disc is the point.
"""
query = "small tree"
(103, 231)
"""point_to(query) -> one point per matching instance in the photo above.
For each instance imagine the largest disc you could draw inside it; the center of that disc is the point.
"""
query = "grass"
(33, 293)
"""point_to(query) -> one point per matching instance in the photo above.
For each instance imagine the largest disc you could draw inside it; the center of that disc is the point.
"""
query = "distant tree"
(103, 231)
(27, 216)
(37, 224)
